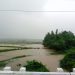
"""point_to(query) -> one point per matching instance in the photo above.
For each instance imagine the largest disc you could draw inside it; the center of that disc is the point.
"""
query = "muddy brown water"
(40, 54)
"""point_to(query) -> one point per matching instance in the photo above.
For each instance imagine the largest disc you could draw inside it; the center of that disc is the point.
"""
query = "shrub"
(68, 62)
(35, 66)
(2, 63)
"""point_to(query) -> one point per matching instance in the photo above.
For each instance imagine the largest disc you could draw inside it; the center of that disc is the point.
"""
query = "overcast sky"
(34, 25)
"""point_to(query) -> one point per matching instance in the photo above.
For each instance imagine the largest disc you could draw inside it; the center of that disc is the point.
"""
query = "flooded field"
(40, 54)
(3, 48)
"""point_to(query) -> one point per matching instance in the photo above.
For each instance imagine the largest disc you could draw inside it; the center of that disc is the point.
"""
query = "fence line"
(22, 71)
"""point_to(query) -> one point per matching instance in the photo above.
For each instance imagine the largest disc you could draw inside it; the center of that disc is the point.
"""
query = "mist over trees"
(59, 41)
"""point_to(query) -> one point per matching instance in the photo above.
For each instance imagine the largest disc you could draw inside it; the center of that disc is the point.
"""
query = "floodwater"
(40, 54)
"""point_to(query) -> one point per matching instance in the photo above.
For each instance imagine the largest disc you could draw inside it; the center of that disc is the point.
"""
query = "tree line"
(60, 42)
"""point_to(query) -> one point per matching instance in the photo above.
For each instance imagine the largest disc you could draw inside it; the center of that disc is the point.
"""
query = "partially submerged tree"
(59, 41)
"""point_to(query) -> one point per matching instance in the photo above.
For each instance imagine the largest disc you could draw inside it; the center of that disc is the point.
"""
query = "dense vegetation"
(35, 66)
(62, 42)
(59, 41)
(68, 62)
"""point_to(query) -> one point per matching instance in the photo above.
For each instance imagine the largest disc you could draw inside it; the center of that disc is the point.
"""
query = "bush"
(35, 66)
(68, 62)
(2, 63)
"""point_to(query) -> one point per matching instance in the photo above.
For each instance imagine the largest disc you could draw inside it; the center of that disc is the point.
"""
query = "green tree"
(68, 62)
(59, 41)
(46, 39)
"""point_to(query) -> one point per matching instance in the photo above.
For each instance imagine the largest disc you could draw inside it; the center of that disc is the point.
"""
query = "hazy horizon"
(15, 23)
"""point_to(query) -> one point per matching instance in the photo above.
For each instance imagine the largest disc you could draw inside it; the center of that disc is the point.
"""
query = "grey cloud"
(35, 25)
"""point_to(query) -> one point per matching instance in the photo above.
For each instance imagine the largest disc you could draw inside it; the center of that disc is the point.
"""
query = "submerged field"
(33, 52)
(3, 48)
